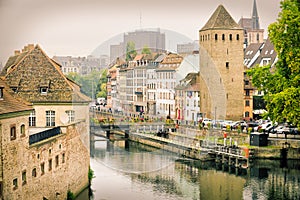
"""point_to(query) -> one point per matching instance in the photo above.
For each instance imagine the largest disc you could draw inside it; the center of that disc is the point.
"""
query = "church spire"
(255, 18)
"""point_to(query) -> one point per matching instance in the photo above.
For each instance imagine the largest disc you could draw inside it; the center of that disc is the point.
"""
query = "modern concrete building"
(153, 39)
(221, 67)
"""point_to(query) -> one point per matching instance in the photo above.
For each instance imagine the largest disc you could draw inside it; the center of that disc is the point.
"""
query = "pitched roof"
(10, 104)
(221, 19)
(33, 69)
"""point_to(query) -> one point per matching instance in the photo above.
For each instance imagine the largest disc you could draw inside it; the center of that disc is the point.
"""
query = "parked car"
(264, 127)
(226, 123)
(294, 130)
(237, 124)
(207, 121)
(251, 125)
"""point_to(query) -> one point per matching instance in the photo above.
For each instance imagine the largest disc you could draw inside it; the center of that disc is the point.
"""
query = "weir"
(186, 145)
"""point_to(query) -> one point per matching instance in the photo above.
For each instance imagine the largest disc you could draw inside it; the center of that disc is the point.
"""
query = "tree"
(146, 50)
(130, 51)
(281, 83)
(90, 84)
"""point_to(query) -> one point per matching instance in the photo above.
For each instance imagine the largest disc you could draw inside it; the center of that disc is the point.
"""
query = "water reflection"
(126, 170)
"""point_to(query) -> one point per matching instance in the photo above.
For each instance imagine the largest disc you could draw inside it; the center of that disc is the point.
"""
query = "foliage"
(146, 50)
(90, 175)
(90, 83)
(101, 87)
(130, 51)
(281, 84)
(70, 195)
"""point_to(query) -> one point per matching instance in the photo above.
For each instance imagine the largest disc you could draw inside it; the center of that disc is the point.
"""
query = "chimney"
(17, 52)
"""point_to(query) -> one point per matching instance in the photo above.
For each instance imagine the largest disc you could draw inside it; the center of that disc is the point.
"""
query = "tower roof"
(255, 18)
(221, 19)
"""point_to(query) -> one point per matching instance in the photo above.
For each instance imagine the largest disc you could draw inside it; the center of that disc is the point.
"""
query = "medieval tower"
(221, 67)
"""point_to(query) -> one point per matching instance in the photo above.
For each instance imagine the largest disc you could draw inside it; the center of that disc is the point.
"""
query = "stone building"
(221, 67)
(51, 156)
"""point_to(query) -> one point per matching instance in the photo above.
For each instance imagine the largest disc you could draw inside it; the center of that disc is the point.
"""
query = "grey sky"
(77, 27)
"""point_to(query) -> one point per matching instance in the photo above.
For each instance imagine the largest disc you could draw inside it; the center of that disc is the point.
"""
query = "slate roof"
(267, 51)
(10, 104)
(33, 69)
(188, 81)
(221, 19)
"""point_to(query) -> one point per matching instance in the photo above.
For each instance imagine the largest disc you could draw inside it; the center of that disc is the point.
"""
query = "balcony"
(44, 135)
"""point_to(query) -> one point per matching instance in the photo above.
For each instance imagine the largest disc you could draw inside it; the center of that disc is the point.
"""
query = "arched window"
(223, 36)
(22, 128)
(216, 36)
(257, 36)
(230, 37)
(237, 37)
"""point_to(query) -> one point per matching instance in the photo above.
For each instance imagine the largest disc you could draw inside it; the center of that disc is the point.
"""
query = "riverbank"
(276, 148)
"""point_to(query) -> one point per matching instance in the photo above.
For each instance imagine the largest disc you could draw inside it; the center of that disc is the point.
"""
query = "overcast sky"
(77, 27)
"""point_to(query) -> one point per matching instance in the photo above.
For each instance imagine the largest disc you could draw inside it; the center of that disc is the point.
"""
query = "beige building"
(221, 67)
(47, 153)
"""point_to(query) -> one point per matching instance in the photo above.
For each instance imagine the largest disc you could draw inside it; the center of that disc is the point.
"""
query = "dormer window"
(44, 86)
(44, 90)
(15, 89)
(1, 93)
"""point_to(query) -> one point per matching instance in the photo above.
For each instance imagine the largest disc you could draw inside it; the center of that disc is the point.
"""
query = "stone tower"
(221, 67)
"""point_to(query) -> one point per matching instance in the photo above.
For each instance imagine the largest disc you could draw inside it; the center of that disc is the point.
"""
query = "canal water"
(127, 170)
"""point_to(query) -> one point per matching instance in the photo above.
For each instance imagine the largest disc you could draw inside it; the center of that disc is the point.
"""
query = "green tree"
(130, 51)
(281, 83)
(146, 50)
(90, 84)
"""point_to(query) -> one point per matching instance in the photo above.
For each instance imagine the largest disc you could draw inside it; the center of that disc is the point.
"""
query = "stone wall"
(65, 153)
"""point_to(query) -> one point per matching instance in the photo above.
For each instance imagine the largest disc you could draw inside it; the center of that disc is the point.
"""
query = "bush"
(70, 195)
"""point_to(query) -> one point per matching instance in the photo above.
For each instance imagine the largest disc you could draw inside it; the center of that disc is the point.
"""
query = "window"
(34, 172)
(247, 93)
(247, 114)
(32, 119)
(14, 89)
(23, 177)
(63, 158)
(50, 164)
(1, 93)
(50, 118)
(230, 37)
(56, 161)
(22, 128)
(12, 132)
(42, 168)
(247, 103)
(223, 36)
(227, 65)
(43, 90)
(216, 36)
(15, 183)
(237, 37)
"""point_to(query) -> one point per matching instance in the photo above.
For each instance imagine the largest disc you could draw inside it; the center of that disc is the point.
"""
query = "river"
(127, 170)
